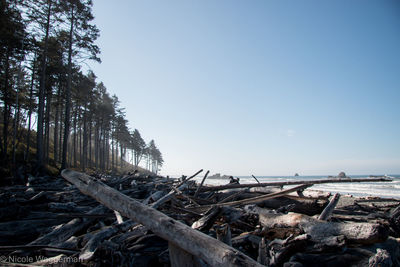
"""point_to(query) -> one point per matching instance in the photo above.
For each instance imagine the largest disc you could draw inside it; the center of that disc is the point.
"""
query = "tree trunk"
(74, 141)
(122, 160)
(56, 121)
(116, 154)
(107, 151)
(47, 125)
(90, 144)
(112, 151)
(85, 139)
(39, 132)
(17, 111)
(28, 136)
(96, 146)
(6, 108)
(60, 143)
(68, 93)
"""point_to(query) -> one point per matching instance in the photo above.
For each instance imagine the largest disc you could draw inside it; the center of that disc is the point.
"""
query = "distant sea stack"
(219, 176)
(296, 174)
(342, 175)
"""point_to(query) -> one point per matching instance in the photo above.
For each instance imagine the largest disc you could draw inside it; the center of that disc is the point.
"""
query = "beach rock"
(342, 175)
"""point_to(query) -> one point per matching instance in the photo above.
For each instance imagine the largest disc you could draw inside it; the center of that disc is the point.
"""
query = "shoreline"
(270, 225)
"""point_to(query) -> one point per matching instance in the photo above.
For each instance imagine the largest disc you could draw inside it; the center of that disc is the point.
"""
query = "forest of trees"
(52, 112)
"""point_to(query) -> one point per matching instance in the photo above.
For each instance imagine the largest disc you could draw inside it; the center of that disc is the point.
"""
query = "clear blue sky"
(258, 87)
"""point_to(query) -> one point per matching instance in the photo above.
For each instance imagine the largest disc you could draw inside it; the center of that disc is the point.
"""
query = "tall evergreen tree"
(138, 146)
(81, 39)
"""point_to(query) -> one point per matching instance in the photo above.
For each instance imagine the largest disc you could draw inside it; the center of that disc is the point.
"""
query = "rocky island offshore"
(219, 176)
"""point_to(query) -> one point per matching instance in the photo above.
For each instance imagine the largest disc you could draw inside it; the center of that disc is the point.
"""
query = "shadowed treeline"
(52, 113)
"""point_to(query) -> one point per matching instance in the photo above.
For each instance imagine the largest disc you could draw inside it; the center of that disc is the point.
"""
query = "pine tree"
(81, 38)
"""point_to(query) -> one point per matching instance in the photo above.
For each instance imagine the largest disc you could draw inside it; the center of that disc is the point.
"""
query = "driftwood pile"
(138, 220)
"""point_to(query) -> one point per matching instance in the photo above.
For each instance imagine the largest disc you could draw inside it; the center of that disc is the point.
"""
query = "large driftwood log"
(181, 235)
(259, 199)
(362, 233)
(307, 182)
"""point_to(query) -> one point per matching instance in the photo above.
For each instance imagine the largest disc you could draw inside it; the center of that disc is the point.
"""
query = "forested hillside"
(54, 111)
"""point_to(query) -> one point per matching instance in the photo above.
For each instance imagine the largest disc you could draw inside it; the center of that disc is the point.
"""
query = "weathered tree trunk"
(361, 233)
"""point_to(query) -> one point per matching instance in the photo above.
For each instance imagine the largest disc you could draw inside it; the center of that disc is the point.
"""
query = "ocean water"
(380, 189)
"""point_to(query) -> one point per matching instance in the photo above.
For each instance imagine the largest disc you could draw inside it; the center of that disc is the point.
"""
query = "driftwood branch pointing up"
(187, 179)
(326, 213)
(201, 184)
(168, 196)
(255, 178)
(196, 243)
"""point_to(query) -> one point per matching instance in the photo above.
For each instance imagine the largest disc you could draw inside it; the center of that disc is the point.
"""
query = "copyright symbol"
(3, 258)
